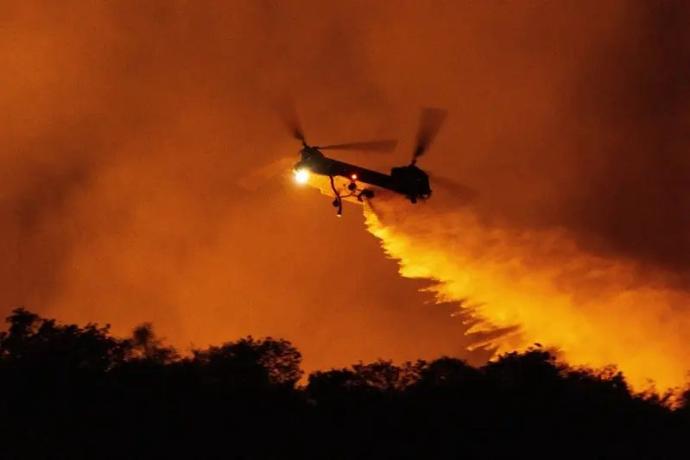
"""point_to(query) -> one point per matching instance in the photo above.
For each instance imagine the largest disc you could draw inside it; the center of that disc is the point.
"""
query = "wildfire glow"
(597, 312)
(302, 176)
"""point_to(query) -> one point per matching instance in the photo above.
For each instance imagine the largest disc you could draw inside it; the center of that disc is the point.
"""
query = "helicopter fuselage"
(410, 181)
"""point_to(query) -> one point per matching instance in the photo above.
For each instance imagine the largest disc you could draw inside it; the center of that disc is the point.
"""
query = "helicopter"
(409, 180)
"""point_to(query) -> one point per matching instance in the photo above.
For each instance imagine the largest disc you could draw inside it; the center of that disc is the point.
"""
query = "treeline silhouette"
(78, 392)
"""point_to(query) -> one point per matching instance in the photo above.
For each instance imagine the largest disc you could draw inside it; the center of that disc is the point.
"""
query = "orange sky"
(127, 125)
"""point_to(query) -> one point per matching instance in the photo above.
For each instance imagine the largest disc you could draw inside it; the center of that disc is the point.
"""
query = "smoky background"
(127, 127)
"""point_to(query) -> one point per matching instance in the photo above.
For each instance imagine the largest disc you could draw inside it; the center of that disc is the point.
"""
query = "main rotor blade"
(288, 113)
(461, 192)
(259, 176)
(429, 125)
(379, 146)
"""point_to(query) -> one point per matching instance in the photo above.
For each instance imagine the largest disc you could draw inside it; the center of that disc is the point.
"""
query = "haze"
(128, 127)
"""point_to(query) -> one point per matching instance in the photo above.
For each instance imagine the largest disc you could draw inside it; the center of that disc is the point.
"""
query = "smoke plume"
(128, 129)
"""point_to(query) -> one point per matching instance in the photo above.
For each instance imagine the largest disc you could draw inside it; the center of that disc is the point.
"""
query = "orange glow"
(146, 176)
(597, 312)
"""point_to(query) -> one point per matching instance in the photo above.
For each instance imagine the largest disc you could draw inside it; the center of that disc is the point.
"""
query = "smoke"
(128, 131)
(129, 128)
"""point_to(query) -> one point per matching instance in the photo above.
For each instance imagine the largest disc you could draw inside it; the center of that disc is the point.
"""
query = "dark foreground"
(73, 392)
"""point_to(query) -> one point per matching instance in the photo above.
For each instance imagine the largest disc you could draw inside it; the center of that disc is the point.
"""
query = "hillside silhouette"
(69, 391)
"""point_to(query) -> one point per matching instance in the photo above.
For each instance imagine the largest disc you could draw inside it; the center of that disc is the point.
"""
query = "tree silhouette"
(77, 392)
(250, 363)
(42, 345)
(145, 346)
(448, 373)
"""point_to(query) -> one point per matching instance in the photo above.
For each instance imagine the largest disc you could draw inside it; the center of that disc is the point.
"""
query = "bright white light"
(302, 176)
